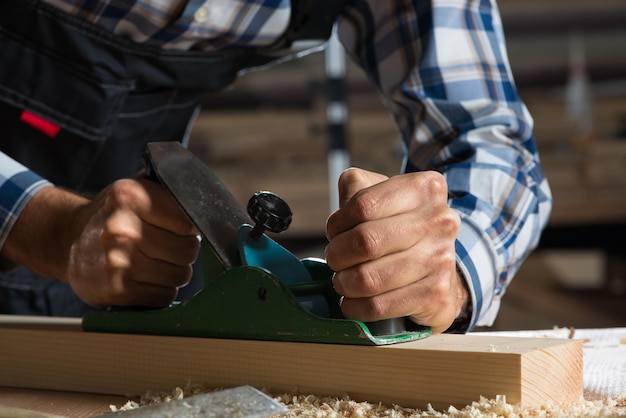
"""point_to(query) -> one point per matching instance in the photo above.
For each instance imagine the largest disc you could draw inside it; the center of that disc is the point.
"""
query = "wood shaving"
(312, 406)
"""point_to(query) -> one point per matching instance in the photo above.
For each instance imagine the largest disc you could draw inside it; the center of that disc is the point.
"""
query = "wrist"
(462, 321)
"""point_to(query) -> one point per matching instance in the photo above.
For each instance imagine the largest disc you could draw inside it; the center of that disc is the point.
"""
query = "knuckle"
(117, 260)
(440, 294)
(441, 291)
(368, 279)
(433, 183)
(367, 243)
(443, 255)
(121, 193)
(436, 181)
(375, 308)
(116, 231)
(333, 258)
(450, 222)
(364, 206)
(444, 260)
(332, 226)
(448, 258)
(446, 222)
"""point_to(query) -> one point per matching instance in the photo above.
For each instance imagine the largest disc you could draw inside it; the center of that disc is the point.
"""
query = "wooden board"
(441, 370)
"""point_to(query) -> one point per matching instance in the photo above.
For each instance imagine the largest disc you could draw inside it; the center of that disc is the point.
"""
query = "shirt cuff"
(476, 260)
(17, 186)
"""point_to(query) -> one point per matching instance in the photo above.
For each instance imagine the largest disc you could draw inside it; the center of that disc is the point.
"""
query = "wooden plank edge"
(442, 370)
(545, 371)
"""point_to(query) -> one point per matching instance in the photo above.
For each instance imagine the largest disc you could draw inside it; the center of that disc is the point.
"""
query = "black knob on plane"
(269, 212)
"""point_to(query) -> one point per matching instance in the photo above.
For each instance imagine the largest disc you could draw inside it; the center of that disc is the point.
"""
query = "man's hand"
(130, 245)
(391, 244)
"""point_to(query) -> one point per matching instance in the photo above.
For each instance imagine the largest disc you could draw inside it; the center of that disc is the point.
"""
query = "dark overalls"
(110, 97)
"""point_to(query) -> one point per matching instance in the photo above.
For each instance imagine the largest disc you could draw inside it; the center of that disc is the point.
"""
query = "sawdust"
(344, 407)
(311, 406)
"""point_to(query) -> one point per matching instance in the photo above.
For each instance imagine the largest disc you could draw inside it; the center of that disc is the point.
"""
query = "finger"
(140, 294)
(124, 259)
(376, 239)
(159, 273)
(128, 292)
(160, 244)
(426, 302)
(151, 202)
(164, 211)
(413, 192)
(372, 240)
(145, 253)
(382, 275)
(396, 269)
(125, 225)
(393, 304)
(353, 180)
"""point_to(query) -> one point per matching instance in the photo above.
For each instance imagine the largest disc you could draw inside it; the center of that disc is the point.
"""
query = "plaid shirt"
(442, 70)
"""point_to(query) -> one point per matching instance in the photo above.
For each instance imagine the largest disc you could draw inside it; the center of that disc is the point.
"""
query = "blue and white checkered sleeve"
(17, 186)
(442, 69)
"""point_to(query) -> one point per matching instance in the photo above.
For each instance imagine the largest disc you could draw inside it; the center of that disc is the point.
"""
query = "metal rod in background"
(336, 116)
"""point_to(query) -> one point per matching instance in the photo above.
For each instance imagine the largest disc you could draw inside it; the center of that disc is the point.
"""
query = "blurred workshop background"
(270, 132)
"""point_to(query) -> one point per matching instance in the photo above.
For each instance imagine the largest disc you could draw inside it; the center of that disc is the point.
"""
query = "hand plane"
(254, 288)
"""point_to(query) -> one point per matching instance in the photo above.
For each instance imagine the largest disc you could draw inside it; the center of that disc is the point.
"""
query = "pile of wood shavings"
(329, 407)
(311, 406)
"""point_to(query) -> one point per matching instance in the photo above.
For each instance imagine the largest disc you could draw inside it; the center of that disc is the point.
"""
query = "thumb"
(354, 180)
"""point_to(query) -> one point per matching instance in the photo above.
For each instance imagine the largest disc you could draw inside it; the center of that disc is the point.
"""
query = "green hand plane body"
(253, 287)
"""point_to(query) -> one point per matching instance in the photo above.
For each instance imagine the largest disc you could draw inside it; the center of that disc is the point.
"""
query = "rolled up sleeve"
(442, 71)
(17, 186)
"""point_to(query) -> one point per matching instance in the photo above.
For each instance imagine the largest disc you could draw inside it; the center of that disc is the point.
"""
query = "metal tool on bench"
(242, 401)
(253, 288)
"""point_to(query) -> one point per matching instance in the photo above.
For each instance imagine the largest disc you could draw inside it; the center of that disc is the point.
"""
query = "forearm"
(41, 235)
(35, 220)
